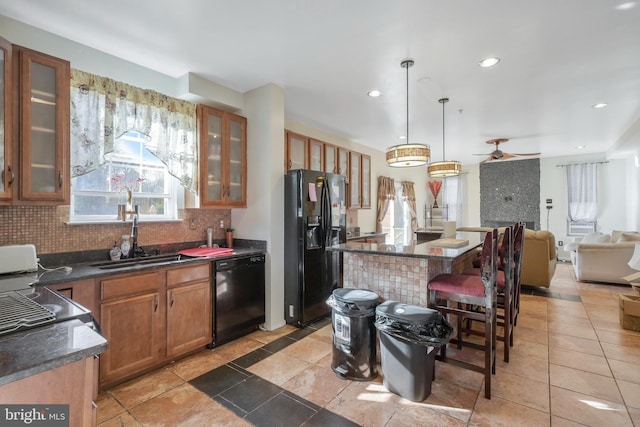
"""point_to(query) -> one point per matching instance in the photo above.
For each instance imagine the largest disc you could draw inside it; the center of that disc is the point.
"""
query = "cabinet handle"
(289, 163)
(60, 179)
(13, 176)
(155, 303)
(171, 299)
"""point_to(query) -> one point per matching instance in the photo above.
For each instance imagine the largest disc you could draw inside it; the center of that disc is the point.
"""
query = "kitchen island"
(402, 273)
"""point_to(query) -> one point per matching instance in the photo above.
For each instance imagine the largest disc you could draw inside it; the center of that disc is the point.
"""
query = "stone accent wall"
(510, 192)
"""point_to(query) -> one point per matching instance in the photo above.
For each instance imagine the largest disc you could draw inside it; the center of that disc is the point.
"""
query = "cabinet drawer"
(176, 276)
(129, 285)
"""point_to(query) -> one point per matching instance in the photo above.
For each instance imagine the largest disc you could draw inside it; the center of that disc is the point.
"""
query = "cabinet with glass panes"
(223, 154)
(40, 85)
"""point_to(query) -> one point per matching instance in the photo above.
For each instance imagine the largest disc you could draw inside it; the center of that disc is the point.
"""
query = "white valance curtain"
(102, 110)
(582, 189)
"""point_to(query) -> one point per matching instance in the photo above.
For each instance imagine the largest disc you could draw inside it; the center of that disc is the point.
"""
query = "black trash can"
(354, 335)
(410, 337)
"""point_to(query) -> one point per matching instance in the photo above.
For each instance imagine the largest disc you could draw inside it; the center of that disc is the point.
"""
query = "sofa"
(601, 257)
(540, 256)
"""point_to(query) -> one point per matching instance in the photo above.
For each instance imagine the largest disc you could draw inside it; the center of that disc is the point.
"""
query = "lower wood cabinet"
(189, 311)
(72, 384)
(133, 327)
(150, 318)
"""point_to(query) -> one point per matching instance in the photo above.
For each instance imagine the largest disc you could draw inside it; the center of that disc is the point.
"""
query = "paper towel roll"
(449, 229)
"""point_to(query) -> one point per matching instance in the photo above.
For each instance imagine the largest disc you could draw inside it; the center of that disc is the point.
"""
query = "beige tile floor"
(572, 364)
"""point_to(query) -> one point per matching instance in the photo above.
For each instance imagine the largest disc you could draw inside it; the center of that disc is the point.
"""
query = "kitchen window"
(131, 167)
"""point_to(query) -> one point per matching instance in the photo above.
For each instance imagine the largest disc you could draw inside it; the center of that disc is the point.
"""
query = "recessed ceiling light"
(626, 6)
(580, 147)
(599, 105)
(488, 62)
(402, 137)
(374, 93)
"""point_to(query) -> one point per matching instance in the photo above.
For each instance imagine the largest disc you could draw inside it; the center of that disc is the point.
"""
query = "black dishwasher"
(239, 297)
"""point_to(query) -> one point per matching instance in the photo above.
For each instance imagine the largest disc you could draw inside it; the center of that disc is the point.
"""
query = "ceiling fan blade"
(506, 156)
(488, 159)
(524, 154)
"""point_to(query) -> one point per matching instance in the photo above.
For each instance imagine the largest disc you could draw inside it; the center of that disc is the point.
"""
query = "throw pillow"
(615, 235)
(629, 237)
(596, 237)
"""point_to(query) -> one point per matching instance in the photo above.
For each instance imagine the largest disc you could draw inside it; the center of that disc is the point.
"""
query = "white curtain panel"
(582, 192)
(455, 196)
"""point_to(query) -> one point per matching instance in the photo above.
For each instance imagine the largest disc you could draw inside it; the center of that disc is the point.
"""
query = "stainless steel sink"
(134, 262)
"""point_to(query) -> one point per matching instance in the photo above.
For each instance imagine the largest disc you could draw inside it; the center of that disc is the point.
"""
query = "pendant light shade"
(445, 168)
(408, 155)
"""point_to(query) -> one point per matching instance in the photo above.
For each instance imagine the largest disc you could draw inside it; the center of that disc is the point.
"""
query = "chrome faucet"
(134, 233)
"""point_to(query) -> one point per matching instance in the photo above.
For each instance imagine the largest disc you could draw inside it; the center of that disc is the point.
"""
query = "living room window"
(582, 198)
(131, 171)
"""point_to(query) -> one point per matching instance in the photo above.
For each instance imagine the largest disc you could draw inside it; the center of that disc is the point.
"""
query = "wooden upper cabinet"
(35, 97)
(343, 163)
(365, 182)
(296, 151)
(354, 179)
(7, 174)
(330, 158)
(316, 155)
(223, 156)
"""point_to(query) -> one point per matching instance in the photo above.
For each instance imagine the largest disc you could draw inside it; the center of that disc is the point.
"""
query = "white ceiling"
(558, 58)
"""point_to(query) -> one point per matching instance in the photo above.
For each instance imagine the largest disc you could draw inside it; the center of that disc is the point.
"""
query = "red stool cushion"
(458, 283)
(476, 272)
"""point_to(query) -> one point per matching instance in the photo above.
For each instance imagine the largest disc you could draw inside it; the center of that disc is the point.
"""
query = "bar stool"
(505, 291)
(468, 293)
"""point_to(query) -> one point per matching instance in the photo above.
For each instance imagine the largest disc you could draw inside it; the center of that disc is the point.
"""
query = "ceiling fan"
(498, 154)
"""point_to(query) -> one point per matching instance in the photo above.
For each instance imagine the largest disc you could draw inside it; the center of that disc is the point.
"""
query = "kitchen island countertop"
(429, 250)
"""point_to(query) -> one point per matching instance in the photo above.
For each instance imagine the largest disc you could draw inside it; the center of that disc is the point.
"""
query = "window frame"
(170, 194)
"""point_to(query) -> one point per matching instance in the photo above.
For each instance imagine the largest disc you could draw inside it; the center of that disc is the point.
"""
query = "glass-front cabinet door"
(44, 127)
(354, 179)
(236, 187)
(7, 176)
(296, 151)
(316, 155)
(211, 139)
(343, 163)
(223, 148)
(330, 158)
(365, 184)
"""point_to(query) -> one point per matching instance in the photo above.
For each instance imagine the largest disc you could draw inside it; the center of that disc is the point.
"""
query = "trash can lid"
(410, 314)
(361, 297)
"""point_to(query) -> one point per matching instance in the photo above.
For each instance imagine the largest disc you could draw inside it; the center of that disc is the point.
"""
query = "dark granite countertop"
(421, 250)
(358, 235)
(30, 352)
(88, 270)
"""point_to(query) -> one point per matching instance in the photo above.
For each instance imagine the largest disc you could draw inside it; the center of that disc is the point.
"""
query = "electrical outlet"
(560, 243)
(192, 224)
(549, 201)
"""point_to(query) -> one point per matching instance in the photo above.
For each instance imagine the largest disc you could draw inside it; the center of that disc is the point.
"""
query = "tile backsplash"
(46, 228)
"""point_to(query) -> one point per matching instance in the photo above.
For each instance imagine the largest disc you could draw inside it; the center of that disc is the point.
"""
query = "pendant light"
(407, 155)
(444, 168)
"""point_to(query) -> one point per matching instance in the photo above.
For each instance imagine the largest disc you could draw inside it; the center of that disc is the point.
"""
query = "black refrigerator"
(315, 217)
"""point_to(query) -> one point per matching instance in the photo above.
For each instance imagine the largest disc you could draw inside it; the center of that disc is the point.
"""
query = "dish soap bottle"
(125, 247)
(115, 252)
